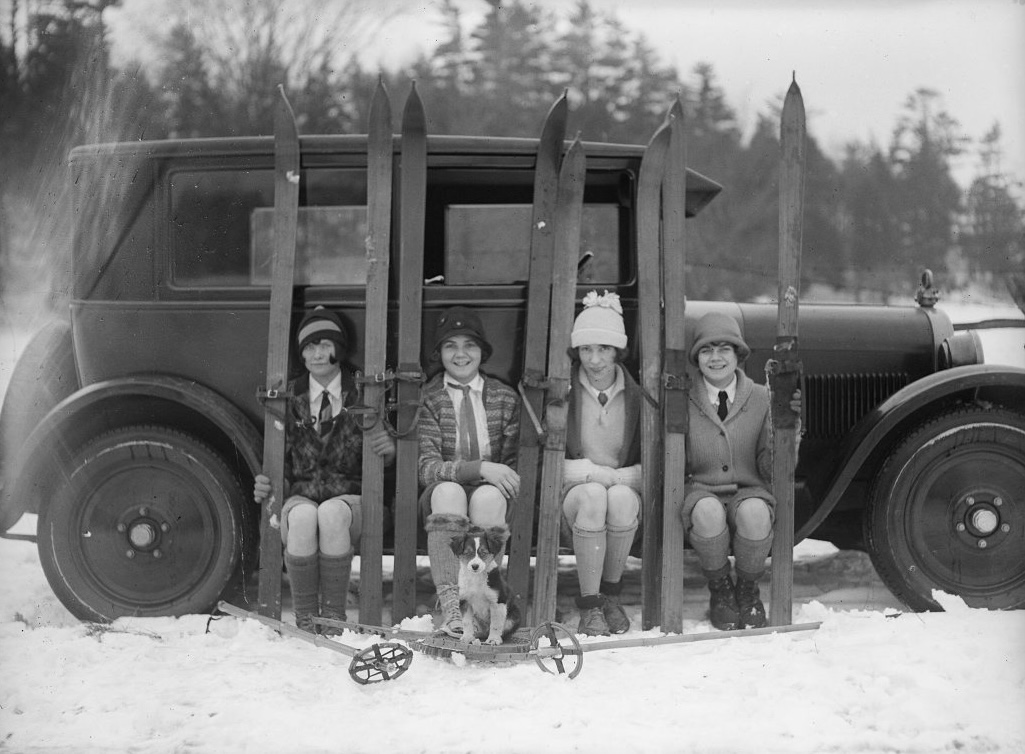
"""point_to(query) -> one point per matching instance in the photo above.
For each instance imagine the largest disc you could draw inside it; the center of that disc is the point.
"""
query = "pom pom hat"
(320, 324)
(600, 323)
(716, 327)
(459, 320)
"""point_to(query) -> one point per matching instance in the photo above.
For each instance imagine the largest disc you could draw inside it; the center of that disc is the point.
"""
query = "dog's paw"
(494, 640)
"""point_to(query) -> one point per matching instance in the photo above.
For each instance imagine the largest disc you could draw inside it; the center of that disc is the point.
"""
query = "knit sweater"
(735, 453)
(438, 434)
(630, 451)
(322, 467)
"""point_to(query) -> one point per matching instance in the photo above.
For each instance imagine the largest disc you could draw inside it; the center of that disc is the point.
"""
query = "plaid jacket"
(321, 468)
(438, 434)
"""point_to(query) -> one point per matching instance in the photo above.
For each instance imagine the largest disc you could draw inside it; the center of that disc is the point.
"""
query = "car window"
(490, 244)
(222, 228)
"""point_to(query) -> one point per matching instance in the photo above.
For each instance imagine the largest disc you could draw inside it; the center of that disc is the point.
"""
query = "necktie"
(722, 405)
(324, 415)
(602, 398)
(469, 445)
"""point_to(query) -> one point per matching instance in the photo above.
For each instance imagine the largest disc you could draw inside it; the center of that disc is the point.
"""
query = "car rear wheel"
(947, 511)
(147, 523)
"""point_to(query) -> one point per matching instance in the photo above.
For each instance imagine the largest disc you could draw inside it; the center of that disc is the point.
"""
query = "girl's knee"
(450, 498)
(586, 505)
(754, 519)
(708, 518)
(334, 515)
(624, 506)
(487, 506)
(302, 530)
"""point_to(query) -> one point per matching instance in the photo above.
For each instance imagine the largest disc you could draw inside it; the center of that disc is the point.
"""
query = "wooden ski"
(784, 369)
(568, 212)
(375, 342)
(539, 292)
(409, 375)
(674, 380)
(274, 393)
(649, 317)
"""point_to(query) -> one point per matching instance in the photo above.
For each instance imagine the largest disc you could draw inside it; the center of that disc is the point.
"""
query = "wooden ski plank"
(539, 291)
(784, 369)
(649, 317)
(274, 396)
(412, 208)
(674, 399)
(375, 340)
(569, 209)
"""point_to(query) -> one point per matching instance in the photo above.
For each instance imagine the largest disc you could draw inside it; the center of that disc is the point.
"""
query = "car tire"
(947, 511)
(148, 522)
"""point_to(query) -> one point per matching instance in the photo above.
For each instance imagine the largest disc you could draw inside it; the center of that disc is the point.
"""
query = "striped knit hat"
(320, 324)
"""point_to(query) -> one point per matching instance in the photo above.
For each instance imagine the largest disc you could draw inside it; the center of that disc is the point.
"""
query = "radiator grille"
(836, 402)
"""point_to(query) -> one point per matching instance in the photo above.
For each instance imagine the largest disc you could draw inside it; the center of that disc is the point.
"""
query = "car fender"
(883, 427)
(165, 400)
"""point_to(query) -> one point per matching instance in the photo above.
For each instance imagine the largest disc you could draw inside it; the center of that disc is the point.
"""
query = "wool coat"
(735, 453)
(438, 434)
(316, 467)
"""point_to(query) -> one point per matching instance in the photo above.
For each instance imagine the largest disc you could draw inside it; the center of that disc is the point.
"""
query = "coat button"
(725, 467)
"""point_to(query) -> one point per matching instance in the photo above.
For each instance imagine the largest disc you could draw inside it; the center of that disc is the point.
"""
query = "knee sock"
(713, 552)
(304, 581)
(750, 555)
(619, 540)
(335, 571)
(589, 547)
(441, 528)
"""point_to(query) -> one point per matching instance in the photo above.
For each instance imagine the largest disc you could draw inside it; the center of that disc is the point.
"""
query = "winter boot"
(442, 528)
(723, 610)
(335, 571)
(615, 615)
(592, 618)
(304, 580)
(749, 602)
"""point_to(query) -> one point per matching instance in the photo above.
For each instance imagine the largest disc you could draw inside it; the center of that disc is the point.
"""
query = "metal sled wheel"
(556, 658)
(381, 662)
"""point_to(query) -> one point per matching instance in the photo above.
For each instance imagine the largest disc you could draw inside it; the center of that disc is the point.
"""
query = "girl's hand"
(381, 442)
(795, 402)
(501, 476)
(261, 488)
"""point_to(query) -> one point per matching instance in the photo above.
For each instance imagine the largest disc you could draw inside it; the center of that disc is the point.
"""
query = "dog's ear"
(458, 543)
(497, 537)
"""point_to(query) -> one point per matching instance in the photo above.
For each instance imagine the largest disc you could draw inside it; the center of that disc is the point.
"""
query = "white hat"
(600, 323)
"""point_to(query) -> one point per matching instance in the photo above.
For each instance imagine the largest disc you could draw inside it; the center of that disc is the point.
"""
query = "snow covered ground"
(870, 679)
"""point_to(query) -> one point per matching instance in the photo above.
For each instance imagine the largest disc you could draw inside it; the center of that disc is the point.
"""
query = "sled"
(553, 647)
(384, 661)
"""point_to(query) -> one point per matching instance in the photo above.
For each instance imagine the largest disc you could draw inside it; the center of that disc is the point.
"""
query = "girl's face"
(718, 362)
(320, 360)
(599, 364)
(460, 355)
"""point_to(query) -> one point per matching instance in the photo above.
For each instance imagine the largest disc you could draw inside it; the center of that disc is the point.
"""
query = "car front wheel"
(147, 523)
(947, 511)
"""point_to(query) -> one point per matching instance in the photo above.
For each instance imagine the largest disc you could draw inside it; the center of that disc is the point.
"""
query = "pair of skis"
(544, 387)
(408, 376)
(376, 381)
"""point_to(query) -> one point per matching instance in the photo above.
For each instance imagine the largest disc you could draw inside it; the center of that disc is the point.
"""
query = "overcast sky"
(856, 61)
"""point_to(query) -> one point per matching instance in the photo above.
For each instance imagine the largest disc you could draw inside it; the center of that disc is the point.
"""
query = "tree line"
(873, 220)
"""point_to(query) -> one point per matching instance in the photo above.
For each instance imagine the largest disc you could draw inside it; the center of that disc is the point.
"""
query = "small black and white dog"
(484, 597)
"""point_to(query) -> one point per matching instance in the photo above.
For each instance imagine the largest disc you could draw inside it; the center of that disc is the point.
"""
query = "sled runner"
(379, 662)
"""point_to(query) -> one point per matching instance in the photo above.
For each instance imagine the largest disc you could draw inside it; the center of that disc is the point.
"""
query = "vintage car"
(132, 426)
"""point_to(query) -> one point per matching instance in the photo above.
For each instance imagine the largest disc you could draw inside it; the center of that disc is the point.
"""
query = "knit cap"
(321, 324)
(600, 323)
(459, 320)
(716, 327)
